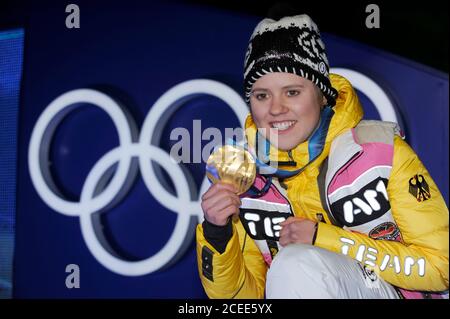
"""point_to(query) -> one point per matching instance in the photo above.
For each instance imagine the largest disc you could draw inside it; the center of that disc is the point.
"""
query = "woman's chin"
(283, 145)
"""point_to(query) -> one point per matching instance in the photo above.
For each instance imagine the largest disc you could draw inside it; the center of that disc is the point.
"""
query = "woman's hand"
(219, 203)
(297, 230)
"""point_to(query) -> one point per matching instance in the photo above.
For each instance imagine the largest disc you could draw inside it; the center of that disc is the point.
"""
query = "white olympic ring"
(96, 197)
(372, 90)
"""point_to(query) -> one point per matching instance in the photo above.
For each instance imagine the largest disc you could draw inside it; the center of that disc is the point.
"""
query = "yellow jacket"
(240, 271)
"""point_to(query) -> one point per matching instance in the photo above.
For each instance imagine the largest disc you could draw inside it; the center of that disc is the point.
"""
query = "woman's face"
(286, 107)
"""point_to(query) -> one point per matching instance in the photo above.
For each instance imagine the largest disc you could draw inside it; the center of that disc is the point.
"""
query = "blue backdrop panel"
(135, 53)
(11, 49)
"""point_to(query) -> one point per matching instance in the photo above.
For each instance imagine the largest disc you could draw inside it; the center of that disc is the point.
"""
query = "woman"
(349, 212)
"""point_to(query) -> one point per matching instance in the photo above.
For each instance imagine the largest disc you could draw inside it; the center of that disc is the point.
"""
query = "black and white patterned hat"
(291, 45)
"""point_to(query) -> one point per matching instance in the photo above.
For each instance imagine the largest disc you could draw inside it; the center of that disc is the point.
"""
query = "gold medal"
(233, 165)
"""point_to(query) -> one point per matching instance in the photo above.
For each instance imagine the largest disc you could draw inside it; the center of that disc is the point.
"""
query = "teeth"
(282, 125)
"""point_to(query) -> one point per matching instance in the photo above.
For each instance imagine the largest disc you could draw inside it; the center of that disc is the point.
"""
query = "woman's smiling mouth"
(282, 126)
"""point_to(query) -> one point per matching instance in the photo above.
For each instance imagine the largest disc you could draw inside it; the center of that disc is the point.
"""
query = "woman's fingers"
(290, 220)
(217, 188)
(219, 203)
(299, 230)
(222, 199)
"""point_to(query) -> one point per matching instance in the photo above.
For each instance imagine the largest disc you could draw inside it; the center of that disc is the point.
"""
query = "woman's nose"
(277, 106)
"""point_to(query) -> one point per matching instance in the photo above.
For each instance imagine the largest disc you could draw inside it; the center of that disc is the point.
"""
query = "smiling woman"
(287, 106)
(336, 181)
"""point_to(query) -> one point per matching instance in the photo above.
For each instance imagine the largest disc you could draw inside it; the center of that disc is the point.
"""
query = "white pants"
(309, 272)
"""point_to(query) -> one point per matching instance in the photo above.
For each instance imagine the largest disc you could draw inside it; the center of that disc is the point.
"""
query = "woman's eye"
(293, 93)
(261, 96)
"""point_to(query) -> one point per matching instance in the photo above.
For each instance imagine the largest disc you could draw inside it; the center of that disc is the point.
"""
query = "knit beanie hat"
(291, 45)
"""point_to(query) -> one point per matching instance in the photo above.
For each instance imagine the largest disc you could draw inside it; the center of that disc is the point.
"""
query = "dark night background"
(415, 30)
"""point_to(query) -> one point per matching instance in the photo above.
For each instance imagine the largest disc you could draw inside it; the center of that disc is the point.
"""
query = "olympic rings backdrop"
(96, 187)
